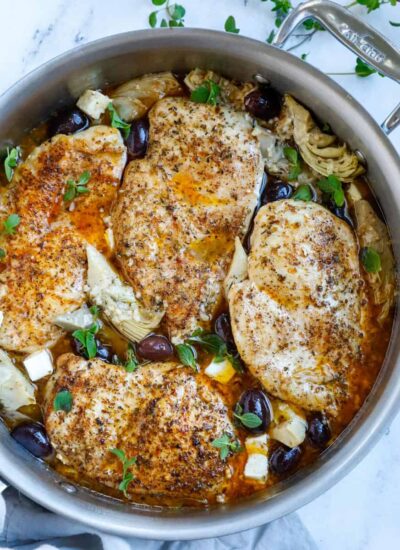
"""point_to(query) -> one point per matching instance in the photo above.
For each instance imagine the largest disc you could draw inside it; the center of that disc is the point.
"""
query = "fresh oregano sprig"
(226, 444)
(127, 477)
(88, 339)
(75, 188)
(11, 161)
(173, 14)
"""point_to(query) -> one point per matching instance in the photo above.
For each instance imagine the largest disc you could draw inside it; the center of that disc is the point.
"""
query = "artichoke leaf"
(134, 98)
(322, 152)
(15, 389)
(372, 232)
(238, 268)
(117, 299)
(230, 92)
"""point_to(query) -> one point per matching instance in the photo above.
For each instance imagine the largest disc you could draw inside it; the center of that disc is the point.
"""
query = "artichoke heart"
(134, 98)
(231, 93)
(15, 389)
(322, 152)
(372, 232)
(117, 299)
(238, 268)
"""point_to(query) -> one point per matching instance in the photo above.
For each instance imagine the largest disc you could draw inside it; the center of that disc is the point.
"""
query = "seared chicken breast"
(163, 414)
(180, 208)
(45, 267)
(297, 317)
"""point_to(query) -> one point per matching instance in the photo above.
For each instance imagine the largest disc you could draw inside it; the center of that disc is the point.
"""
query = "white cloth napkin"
(28, 526)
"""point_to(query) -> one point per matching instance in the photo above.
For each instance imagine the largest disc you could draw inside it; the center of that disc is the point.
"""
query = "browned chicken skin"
(180, 208)
(45, 268)
(163, 414)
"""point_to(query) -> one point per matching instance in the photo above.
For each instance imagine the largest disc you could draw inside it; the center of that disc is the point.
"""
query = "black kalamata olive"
(223, 328)
(319, 432)
(341, 212)
(33, 436)
(277, 191)
(69, 122)
(264, 103)
(104, 352)
(256, 402)
(155, 348)
(138, 139)
(283, 459)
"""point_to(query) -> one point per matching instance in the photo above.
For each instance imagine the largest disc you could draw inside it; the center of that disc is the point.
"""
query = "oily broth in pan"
(361, 375)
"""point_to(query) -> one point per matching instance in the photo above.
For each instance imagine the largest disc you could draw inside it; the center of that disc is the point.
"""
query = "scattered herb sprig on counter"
(226, 445)
(127, 477)
(75, 188)
(370, 259)
(248, 420)
(87, 338)
(11, 161)
(63, 401)
(332, 186)
(117, 122)
(230, 25)
(173, 14)
(206, 93)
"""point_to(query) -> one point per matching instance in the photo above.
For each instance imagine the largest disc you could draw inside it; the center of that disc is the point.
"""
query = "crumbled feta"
(109, 235)
(39, 364)
(93, 103)
(256, 467)
(15, 390)
(221, 371)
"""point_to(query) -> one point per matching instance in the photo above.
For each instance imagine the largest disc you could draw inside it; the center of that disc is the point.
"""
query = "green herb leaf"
(11, 161)
(206, 93)
(230, 25)
(394, 24)
(77, 188)
(304, 56)
(363, 69)
(163, 23)
(158, 2)
(209, 341)
(235, 362)
(132, 361)
(226, 445)
(271, 37)
(178, 12)
(249, 420)
(87, 338)
(3, 253)
(63, 401)
(95, 311)
(371, 260)
(153, 19)
(332, 186)
(11, 223)
(303, 193)
(293, 157)
(117, 122)
(127, 477)
(187, 356)
(370, 4)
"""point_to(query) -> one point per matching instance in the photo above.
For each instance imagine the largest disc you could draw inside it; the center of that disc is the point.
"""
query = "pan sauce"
(362, 375)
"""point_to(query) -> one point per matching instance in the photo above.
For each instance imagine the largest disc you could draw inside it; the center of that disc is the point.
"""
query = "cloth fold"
(28, 526)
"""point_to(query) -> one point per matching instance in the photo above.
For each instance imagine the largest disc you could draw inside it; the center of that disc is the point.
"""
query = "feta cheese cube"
(256, 467)
(39, 364)
(289, 428)
(93, 103)
(221, 372)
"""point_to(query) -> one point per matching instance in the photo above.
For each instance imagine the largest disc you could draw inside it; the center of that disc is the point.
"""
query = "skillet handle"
(360, 38)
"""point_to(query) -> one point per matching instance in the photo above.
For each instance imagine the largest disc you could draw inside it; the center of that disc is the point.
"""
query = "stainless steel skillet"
(118, 58)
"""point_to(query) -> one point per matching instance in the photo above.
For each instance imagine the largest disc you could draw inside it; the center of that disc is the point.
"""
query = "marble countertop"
(362, 511)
